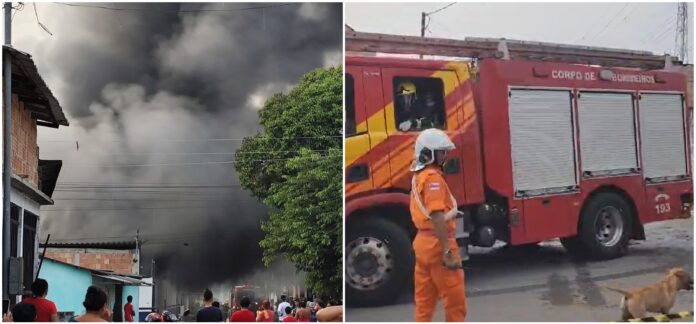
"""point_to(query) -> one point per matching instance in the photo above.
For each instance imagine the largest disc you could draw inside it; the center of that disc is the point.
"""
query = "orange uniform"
(432, 279)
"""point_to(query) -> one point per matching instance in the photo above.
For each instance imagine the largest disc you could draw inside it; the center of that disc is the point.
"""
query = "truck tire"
(604, 229)
(379, 262)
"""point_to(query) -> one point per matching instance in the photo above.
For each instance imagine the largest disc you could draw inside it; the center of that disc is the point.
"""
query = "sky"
(158, 97)
(637, 26)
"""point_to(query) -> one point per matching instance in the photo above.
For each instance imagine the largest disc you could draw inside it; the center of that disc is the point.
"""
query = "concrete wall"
(25, 151)
(66, 285)
(119, 261)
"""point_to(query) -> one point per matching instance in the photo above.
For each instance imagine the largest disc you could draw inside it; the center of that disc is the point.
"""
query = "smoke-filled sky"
(158, 96)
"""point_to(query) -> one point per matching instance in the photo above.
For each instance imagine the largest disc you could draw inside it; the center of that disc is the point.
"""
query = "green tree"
(294, 166)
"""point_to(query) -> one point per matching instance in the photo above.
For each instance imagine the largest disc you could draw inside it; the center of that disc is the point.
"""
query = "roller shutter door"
(607, 133)
(541, 133)
(662, 136)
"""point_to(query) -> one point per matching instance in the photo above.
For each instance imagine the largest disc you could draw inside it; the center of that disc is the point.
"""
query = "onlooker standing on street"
(244, 314)
(46, 310)
(288, 315)
(208, 313)
(281, 307)
(22, 312)
(317, 306)
(96, 306)
(304, 315)
(128, 309)
(266, 314)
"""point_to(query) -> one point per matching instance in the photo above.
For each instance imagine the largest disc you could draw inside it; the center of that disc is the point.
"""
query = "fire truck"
(552, 141)
(242, 291)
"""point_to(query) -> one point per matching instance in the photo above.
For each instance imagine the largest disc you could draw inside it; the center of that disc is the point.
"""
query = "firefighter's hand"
(7, 317)
(452, 262)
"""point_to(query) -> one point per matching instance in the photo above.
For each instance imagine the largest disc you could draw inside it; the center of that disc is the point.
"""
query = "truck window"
(419, 103)
(350, 105)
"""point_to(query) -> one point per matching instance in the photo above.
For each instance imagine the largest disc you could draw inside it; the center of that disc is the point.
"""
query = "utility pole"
(681, 39)
(423, 14)
(6, 165)
(152, 274)
(137, 251)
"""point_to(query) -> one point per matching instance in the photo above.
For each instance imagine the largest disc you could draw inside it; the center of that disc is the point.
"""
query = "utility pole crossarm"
(475, 47)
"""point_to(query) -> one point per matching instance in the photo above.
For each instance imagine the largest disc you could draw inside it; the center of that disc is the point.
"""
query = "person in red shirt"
(128, 309)
(288, 315)
(304, 315)
(46, 310)
(266, 314)
(244, 314)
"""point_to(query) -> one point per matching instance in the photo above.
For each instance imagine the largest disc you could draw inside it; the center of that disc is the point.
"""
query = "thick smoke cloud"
(141, 88)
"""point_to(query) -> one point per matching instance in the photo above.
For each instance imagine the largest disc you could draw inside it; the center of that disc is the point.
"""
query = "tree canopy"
(295, 167)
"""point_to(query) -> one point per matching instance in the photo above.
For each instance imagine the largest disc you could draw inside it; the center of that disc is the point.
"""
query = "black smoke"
(143, 85)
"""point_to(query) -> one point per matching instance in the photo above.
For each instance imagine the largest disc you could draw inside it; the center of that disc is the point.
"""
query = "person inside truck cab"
(438, 270)
(414, 113)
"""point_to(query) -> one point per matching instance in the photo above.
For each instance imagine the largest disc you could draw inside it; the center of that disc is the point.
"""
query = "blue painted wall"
(66, 285)
(133, 291)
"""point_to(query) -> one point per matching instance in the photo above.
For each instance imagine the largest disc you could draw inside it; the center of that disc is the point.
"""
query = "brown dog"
(657, 298)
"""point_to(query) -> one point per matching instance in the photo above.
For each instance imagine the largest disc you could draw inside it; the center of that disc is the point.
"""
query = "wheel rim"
(368, 263)
(609, 226)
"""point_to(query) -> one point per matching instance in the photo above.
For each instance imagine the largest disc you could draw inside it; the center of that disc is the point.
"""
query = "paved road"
(547, 285)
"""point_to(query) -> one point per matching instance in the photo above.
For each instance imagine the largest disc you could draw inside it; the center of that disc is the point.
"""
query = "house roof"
(133, 280)
(28, 84)
(114, 245)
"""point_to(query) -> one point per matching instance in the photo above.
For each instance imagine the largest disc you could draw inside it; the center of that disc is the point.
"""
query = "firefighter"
(438, 270)
(410, 114)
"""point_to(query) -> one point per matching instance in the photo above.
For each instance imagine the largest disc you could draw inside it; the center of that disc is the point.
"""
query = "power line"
(438, 10)
(193, 163)
(609, 23)
(132, 209)
(199, 153)
(65, 185)
(175, 11)
(212, 139)
(39, 22)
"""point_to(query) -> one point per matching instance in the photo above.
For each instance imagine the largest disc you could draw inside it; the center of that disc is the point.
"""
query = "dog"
(656, 298)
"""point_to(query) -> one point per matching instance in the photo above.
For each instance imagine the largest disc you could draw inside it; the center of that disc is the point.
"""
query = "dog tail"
(621, 291)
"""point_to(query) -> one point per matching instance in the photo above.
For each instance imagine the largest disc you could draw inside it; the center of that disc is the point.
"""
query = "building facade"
(32, 180)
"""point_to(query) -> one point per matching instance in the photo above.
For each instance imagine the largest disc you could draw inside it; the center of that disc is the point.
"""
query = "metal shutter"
(662, 136)
(607, 132)
(541, 133)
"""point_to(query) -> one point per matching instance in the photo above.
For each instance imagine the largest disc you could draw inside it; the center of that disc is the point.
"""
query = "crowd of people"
(37, 308)
(296, 310)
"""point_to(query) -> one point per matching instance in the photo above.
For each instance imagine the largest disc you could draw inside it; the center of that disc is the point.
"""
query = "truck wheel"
(605, 227)
(379, 262)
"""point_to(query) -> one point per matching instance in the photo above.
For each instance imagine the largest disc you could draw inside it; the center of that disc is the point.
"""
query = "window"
(419, 103)
(350, 105)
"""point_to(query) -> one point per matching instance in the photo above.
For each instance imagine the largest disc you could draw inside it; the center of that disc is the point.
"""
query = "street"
(547, 285)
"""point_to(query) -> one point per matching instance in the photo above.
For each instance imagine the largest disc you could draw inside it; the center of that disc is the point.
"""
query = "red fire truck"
(544, 150)
(248, 291)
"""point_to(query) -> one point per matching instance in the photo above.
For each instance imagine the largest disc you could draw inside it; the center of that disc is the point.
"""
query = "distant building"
(32, 180)
(71, 267)
(120, 257)
(68, 284)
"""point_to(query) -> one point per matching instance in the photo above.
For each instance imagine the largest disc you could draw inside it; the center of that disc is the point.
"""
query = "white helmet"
(433, 140)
